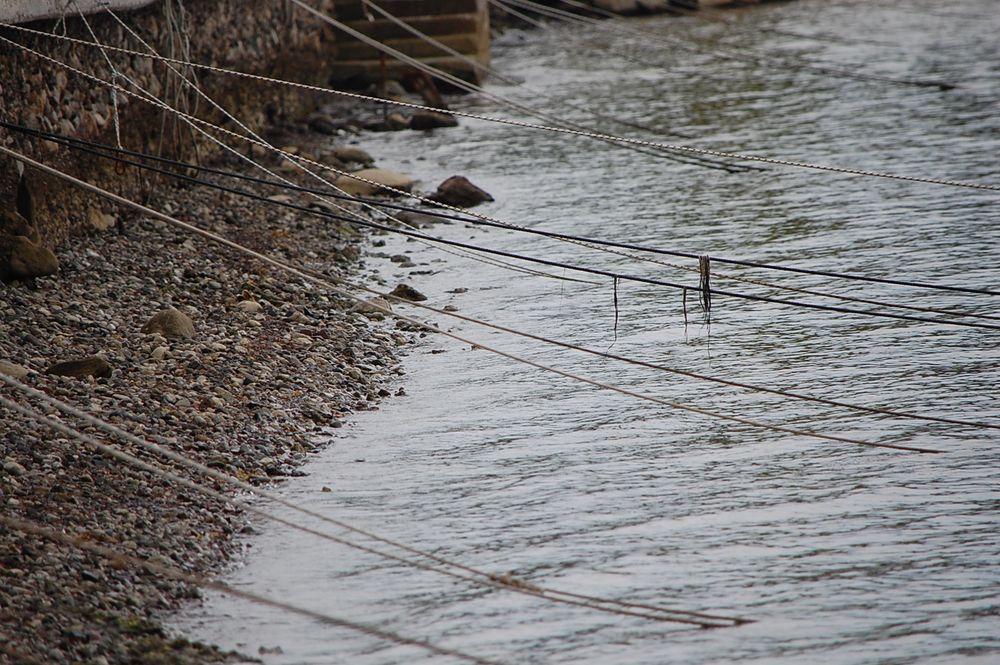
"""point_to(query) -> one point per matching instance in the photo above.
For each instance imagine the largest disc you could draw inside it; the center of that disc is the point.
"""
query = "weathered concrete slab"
(462, 25)
(22, 11)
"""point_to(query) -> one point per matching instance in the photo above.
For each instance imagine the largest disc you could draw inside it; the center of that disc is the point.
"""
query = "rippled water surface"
(842, 554)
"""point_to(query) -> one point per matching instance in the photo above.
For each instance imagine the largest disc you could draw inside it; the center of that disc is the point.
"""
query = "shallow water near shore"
(842, 554)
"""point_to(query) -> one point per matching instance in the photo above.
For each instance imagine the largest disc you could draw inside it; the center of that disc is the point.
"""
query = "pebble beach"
(230, 362)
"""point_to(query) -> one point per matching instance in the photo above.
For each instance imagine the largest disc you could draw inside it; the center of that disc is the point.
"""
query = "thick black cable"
(360, 221)
(484, 222)
(606, 355)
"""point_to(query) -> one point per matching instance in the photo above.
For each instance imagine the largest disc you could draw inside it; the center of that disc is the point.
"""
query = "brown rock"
(397, 121)
(346, 153)
(15, 224)
(13, 370)
(171, 323)
(432, 120)
(26, 259)
(384, 177)
(323, 123)
(407, 292)
(458, 191)
(80, 369)
(101, 221)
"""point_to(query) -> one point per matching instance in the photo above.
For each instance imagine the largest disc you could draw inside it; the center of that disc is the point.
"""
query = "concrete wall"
(21, 11)
(261, 36)
(462, 25)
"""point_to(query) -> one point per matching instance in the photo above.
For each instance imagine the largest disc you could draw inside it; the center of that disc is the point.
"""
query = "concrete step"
(467, 44)
(448, 24)
(353, 10)
(368, 70)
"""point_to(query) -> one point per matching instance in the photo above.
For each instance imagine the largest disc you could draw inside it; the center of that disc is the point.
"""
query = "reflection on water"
(842, 554)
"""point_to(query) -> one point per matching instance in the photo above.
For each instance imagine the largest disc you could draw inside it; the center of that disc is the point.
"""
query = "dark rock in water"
(432, 120)
(24, 258)
(171, 323)
(403, 260)
(407, 292)
(81, 369)
(458, 191)
(323, 123)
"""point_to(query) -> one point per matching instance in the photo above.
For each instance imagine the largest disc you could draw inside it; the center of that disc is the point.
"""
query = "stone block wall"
(268, 37)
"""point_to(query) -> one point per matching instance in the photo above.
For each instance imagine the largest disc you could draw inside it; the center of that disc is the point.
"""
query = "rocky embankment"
(228, 361)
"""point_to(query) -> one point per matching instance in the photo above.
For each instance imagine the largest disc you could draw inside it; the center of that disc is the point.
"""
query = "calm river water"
(842, 554)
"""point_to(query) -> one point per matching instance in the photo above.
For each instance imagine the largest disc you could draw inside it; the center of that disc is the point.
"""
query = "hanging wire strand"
(100, 149)
(468, 574)
(402, 192)
(361, 221)
(507, 121)
(290, 268)
(661, 152)
(180, 575)
(395, 20)
(752, 387)
(146, 96)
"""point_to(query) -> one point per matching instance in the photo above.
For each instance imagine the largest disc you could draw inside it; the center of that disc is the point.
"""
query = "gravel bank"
(271, 365)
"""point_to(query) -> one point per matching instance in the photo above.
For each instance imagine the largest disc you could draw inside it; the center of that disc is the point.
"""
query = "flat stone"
(13, 468)
(351, 154)
(13, 370)
(171, 323)
(383, 177)
(432, 120)
(84, 367)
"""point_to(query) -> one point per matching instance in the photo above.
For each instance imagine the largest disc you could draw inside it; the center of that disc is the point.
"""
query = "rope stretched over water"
(296, 160)
(472, 62)
(171, 572)
(514, 123)
(468, 218)
(327, 215)
(249, 132)
(697, 160)
(361, 221)
(473, 576)
(287, 267)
